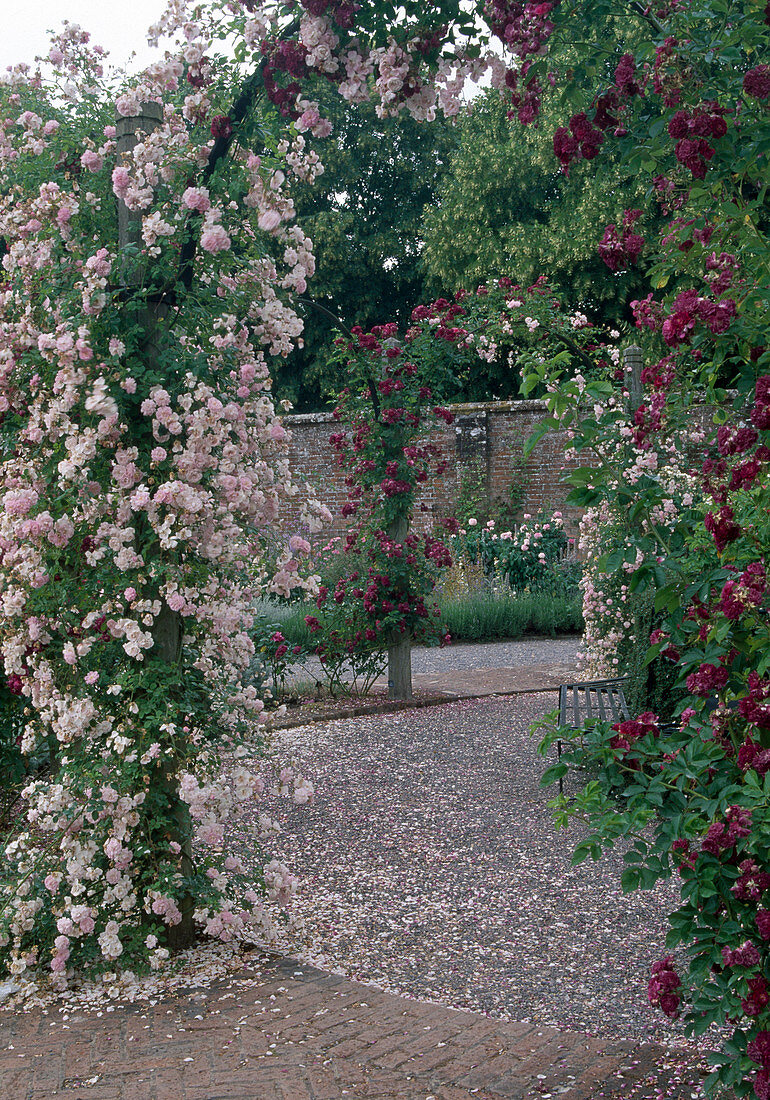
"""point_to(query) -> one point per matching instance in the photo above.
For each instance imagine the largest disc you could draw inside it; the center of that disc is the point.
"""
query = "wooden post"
(128, 131)
(150, 314)
(399, 645)
(632, 366)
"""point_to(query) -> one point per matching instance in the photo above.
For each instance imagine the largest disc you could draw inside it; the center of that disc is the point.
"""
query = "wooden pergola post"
(632, 366)
(149, 313)
(399, 645)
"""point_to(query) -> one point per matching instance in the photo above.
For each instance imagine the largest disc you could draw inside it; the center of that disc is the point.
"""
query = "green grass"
(475, 617)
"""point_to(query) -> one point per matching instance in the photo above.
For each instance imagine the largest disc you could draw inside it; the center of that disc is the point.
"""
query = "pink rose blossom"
(215, 239)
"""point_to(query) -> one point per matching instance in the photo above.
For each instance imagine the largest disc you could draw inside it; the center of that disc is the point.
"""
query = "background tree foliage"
(406, 212)
(364, 216)
(505, 207)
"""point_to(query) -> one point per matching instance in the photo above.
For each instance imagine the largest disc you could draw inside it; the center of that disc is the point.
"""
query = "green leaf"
(550, 775)
(542, 429)
(629, 879)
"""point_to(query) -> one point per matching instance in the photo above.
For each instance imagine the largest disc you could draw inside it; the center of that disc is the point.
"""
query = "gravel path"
(467, 657)
(431, 867)
(478, 655)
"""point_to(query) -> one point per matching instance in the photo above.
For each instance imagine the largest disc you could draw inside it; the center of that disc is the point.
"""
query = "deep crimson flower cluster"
(619, 248)
(669, 652)
(632, 730)
(758, 997)
(221, 127)
(760, 414)
(647, 313)
(722, 527)
(343, 14)
(660, 375)
(662, 985)
(755, 708)
(746, 592)
(752, 883)
(708, 680)
(648, 419)
(722, 270)
(585, 136)
(284, 57)
(733, 441)
(745, 955)
(756, 82)
(744, 475)
(582, 139)
(690, 307)
(759, 1051)
(15, 684)
(754, 757)
(526, 96)
(682, 852)
(200, 74)
(722, 836)
(690, 129)
(715, 479)
(523, 28)
(445, 310)
(392, 487)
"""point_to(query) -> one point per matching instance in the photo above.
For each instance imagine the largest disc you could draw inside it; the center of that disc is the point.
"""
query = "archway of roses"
(151, 266)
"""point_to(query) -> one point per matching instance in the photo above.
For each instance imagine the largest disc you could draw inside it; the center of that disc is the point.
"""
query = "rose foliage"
(386, 454)
(677, 493)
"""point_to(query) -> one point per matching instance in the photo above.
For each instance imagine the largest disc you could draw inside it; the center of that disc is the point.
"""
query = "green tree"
(505, 207)
(364, 216)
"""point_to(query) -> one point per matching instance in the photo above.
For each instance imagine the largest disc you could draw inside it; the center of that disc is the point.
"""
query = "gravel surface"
(467, 656)
(477, 655)
(431, 867)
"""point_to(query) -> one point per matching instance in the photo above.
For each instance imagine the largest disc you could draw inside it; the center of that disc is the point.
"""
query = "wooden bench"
(584, 704)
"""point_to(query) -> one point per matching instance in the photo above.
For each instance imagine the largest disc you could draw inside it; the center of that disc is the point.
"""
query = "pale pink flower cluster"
(82, 499)
(317, 36)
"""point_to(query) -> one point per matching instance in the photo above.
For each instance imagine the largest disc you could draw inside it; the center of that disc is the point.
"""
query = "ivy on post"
(399, 641)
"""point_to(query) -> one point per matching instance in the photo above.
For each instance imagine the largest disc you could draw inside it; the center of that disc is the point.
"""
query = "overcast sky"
(118, 25)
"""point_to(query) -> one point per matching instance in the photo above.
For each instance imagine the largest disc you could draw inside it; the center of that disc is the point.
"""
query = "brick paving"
(281, 1030)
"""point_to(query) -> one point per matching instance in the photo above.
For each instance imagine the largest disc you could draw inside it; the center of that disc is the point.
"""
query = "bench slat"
(582, 704)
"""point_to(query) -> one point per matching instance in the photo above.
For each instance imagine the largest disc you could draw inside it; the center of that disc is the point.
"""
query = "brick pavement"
(281, 1030)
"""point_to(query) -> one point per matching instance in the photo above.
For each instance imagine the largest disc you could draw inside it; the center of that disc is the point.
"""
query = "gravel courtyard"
(430, 866)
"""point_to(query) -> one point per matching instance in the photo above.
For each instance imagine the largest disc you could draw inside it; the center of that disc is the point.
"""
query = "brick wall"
(487, 438)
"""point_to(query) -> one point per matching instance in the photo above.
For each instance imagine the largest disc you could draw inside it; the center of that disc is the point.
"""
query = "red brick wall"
(487, 436)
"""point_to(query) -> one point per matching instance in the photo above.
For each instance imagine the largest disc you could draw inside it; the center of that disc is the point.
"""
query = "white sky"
(118, 25)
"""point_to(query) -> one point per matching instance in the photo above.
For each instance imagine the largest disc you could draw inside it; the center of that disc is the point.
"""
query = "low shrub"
(487, 616)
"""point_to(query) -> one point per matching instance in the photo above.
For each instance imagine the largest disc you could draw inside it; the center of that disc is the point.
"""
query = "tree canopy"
(364, 215)
(504, 207)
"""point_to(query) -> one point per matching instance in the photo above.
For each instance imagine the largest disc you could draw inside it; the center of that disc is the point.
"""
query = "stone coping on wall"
(465, 409)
